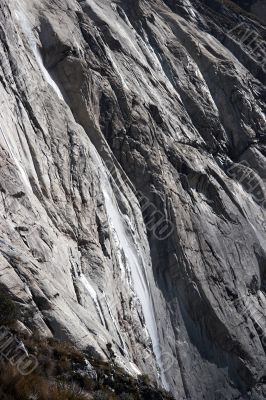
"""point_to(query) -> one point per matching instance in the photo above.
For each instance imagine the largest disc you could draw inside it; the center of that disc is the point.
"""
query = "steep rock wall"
(132, 184)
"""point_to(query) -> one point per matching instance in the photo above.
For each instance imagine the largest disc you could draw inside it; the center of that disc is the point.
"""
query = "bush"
(65, 392)
(34, 386)
(145, 379)
(104, 395)
(126, 396)
(62, 375)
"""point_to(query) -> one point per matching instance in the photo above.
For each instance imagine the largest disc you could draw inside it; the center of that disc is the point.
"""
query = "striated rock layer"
(256, 7)
(132, 156)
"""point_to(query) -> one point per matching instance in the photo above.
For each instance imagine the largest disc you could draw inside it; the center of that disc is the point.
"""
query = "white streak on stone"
(91, 291)
(32, 41)
(135, 261)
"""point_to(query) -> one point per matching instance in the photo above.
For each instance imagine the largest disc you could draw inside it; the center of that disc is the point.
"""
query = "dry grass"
(61, 375)
(34, 386)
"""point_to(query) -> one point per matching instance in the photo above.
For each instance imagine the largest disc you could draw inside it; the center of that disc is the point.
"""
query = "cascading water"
(93, 295)
(134, 260)
(125, 240)
(26, 28)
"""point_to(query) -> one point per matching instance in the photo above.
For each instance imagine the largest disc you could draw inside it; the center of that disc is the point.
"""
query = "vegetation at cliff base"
(62, 375)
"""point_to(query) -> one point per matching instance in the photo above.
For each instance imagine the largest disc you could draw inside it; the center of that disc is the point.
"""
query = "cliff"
(132, 156)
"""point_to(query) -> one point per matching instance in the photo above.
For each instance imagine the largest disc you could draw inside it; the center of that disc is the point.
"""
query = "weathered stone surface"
(114, 115)
(256, 7)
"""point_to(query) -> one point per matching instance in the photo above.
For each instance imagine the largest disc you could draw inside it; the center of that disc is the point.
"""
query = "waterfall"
(32, 41)
(47, 77)
(92, 293)
(134, 259)
(117, 222)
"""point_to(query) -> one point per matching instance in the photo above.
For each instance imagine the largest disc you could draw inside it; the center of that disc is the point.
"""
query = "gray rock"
(132, 185)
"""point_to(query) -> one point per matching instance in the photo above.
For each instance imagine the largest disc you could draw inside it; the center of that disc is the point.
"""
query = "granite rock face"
(132, 156)
(256, 7)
